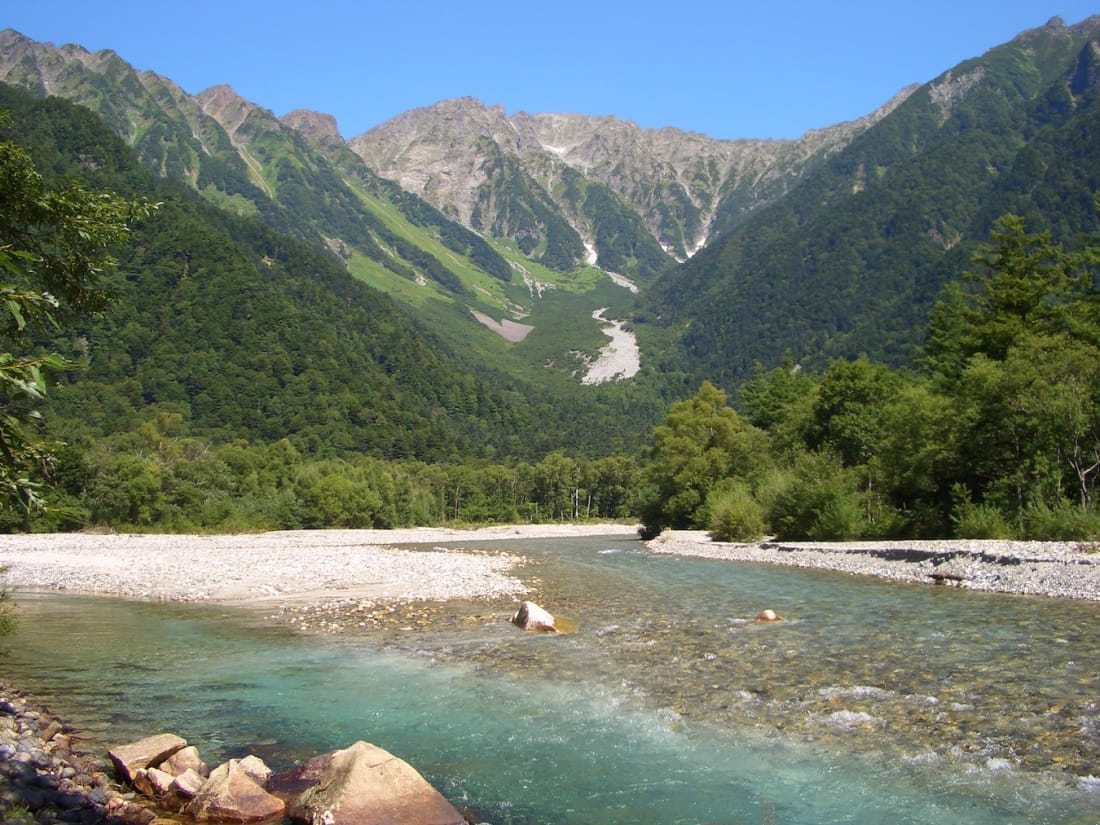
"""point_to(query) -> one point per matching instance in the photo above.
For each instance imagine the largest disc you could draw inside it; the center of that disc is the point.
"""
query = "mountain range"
(498, 237)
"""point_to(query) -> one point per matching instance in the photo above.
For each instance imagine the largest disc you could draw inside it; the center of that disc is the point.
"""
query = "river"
(872, 702)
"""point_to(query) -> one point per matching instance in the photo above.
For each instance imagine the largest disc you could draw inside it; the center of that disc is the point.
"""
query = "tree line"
(996, 434)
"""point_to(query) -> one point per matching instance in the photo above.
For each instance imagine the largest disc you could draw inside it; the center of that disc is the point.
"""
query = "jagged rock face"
(677, 182)
(315, 127)
(565, 188)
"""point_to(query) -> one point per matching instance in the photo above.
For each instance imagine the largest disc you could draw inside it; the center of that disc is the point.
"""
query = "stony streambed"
(46, 777)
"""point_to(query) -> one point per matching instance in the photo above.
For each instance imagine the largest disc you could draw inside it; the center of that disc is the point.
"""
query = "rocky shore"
(1068, 570)
(45, 778)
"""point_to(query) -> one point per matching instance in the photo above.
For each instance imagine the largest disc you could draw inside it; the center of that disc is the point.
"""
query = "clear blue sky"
(728, 69)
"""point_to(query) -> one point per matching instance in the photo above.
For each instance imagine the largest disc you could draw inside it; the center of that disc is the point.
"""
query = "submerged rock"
(532, 617)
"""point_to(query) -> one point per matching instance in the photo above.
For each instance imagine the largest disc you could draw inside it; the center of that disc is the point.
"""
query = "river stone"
(532, 617)
(160, 782)
(184, 760)
(255, 768)
(231, 794)
(188, 783)
(145, 753)
(366, 784)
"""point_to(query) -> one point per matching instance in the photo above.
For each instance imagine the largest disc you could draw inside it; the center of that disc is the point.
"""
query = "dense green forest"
(854, 259)
(996, 436)
(195, 369)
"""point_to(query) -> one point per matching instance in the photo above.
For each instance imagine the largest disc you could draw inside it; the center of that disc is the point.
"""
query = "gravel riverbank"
(315, 567)
(277, 567)
(1059, 569)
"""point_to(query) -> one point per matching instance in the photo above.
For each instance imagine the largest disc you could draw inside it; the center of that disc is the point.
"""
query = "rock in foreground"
(145, 753)
(366, 784)
(232, 793)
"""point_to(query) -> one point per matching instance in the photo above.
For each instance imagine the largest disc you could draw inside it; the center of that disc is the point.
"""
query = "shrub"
(981, 521)
(734, 514)
(818, 499)
(1063, 522)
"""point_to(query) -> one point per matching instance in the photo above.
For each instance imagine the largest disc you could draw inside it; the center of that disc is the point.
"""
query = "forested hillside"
(853, 260)
(250, 334)
(297, 176)
(909, 334)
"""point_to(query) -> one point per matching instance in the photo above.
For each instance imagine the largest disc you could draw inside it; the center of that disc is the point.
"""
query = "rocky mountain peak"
(227, 107)
(314, 126)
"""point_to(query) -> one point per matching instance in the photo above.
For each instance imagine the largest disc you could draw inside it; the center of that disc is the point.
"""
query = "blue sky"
(728, 69)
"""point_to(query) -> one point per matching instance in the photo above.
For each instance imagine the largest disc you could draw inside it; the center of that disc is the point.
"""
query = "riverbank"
(279, 567)
(45, 778)
(369, 567)
(1068, 570)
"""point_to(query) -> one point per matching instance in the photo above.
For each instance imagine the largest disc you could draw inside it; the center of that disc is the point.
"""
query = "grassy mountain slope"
(852, 260)
(247, 333)
(298, 177)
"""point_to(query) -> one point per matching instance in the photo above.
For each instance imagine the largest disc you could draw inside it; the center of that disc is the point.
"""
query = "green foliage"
(820, 500)
(1063, 521)
(980, 521)
(7, 619)
(848, 416)
(702, 442)
(55, 248)
(734, 514)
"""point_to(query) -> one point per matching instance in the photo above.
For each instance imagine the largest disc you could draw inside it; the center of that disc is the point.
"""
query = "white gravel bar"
(263, 568)
(1040, 568)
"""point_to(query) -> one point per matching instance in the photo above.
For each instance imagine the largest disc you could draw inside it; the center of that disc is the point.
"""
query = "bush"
(817, 499)
(734, 514)
(981, 521)
(1063, 522)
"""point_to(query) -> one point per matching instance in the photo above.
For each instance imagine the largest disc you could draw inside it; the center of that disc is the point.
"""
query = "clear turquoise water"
(873, 703)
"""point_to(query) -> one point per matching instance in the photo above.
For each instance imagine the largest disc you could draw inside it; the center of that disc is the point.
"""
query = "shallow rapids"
(872, 702)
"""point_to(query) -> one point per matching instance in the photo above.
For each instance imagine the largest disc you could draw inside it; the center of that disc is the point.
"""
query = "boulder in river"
(144, 754)
(186, 759)
(532, 617)
(231, 793)
(364, 783)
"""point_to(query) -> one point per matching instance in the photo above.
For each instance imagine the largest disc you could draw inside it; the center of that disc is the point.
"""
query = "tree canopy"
(55, 249)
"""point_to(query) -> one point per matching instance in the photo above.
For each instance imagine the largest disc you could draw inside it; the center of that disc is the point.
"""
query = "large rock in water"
(232, 794)
(532, 617)
(366, 785)
(145, 753)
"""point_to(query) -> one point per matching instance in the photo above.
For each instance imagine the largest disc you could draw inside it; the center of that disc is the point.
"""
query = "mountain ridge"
(684, 185)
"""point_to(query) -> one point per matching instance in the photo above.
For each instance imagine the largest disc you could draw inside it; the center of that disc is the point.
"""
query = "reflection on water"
(874, 702)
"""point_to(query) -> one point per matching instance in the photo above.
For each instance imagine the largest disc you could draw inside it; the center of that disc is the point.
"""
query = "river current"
(872, 702)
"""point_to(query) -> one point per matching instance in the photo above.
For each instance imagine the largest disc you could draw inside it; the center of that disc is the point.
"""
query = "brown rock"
(532, 617)
(255, 768)
(768, 616)
(366, 784)
(160, 782)
(188, 784)
(186, 759)
(231, 794)
(145, 753)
